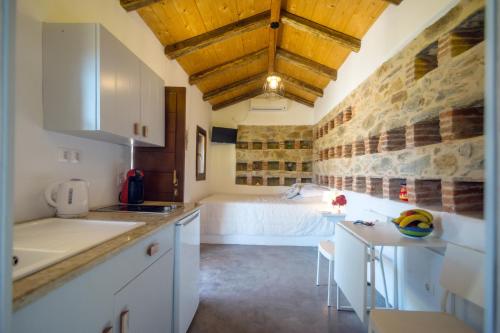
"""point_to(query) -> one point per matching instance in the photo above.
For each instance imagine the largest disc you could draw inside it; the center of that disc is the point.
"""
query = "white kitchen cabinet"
(93, 87)
(152, 107)
(145, 303)
(136, 279)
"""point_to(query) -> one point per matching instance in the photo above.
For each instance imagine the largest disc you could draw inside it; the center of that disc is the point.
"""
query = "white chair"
(327, 249)
(462, 275)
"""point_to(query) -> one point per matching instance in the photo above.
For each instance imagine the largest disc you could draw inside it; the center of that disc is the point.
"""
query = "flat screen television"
(224, 135)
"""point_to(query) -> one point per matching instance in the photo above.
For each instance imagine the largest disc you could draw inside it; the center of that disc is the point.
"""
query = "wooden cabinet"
(94, 87)
(139, 280)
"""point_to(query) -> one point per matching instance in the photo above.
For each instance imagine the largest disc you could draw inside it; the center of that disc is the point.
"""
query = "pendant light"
(273, 87)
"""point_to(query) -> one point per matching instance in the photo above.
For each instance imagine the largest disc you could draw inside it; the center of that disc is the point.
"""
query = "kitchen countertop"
(34, 286)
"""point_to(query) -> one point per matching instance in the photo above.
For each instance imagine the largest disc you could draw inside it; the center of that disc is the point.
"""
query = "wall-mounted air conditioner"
(269, 105)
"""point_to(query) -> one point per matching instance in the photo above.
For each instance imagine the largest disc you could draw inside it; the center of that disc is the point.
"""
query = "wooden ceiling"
(227, 46)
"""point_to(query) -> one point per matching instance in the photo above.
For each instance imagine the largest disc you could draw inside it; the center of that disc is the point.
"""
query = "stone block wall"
(276, 155)
(417, 120)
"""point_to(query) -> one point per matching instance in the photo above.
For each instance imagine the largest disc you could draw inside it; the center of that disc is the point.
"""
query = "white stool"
(327, 249)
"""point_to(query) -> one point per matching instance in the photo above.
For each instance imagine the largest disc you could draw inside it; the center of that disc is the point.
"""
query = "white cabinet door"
(82, 305)
(120, 87)
(145, 303)
(152, 107)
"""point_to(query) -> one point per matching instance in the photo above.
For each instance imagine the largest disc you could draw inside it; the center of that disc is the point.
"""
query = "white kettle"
(71, 198)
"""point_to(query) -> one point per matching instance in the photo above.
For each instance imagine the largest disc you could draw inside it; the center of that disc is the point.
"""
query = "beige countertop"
(34, 286)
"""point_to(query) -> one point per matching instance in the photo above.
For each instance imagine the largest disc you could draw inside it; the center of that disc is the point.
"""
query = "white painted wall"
(394, 29)
(36, 149)
(222, 159)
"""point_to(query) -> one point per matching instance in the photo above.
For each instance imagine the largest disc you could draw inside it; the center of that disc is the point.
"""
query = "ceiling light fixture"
(274, 87)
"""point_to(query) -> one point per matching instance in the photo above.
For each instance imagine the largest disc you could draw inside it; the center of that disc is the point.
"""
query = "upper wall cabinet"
(94, 87)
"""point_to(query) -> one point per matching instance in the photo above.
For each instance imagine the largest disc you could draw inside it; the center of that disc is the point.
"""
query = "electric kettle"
(70, 198)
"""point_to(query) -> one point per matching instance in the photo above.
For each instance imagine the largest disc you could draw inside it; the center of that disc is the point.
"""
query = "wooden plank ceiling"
(227, 46)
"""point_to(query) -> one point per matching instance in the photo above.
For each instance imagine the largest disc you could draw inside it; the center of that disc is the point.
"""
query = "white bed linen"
(264, 215)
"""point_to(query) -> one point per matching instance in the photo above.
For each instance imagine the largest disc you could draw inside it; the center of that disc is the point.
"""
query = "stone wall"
(274, 155)
(418, 119)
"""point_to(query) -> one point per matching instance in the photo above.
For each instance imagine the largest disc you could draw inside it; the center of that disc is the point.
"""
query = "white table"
(350, 273)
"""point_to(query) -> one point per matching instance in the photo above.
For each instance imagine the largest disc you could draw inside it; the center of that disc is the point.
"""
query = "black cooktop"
(139, 208)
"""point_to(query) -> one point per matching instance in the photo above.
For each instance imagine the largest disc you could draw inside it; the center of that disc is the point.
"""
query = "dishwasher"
(186, 271)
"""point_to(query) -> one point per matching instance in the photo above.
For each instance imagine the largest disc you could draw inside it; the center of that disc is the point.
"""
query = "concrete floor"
(249, 289)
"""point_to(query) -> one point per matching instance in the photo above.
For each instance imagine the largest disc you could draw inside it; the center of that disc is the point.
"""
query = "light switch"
(75, 156)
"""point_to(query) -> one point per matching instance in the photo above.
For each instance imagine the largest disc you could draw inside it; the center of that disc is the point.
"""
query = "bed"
(264, 220)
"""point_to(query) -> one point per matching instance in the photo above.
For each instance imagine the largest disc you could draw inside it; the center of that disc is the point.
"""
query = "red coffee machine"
(133, 188)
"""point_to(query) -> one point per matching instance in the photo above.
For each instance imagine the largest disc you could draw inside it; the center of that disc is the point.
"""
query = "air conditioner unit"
(268, 105)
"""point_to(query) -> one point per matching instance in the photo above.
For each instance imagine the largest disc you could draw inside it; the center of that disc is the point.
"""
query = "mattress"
(264, 215)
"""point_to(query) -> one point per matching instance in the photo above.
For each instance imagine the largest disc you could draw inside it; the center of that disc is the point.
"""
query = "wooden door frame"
(7, 38)
(180, 137)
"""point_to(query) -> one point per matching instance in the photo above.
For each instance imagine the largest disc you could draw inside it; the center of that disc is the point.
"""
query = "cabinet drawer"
(134, 260)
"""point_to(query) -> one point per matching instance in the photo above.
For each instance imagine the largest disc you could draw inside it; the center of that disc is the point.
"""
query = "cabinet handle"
(145, 131)
(124, 321)
(136, 128)
(153, 249)
(174, 178)
(108, 329)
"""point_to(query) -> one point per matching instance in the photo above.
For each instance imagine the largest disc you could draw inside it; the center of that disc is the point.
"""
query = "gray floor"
(265, 289)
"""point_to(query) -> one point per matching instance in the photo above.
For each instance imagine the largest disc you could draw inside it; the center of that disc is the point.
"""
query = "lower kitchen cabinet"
(139, 280)
(145, 303)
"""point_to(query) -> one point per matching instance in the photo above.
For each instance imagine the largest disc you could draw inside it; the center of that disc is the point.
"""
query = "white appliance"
(70, 198)
(186, 271)
(270, 105)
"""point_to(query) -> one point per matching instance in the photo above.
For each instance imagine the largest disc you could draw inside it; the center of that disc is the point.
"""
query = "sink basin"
(45, 242)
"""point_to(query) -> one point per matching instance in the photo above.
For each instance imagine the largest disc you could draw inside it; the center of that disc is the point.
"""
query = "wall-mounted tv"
(224, 135)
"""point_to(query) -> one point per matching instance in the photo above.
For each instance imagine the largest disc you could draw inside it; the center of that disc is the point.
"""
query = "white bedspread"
(264, 215)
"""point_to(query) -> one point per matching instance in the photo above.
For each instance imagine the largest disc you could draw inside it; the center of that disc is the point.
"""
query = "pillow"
(293, 191)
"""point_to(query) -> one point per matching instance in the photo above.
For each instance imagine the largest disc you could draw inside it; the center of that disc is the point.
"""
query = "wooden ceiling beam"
(255, 93)
(234, 86)
(130, 5)
(273, 34)
(209, 38)
(238, 62)
(260, 78)
(321, 31)
(237, 99)
(302, 85)
(394, 2)
(307, 64)
(299, 99)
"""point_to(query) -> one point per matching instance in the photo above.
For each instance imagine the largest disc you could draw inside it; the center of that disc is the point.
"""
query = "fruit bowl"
(416, 232)
(414, 223)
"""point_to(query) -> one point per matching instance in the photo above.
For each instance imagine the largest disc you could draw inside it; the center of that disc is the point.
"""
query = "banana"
(415, 217)
(423, 225)
(398, 220)
(425, 213)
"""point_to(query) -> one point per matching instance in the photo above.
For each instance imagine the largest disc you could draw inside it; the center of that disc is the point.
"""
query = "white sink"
(45, 242)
